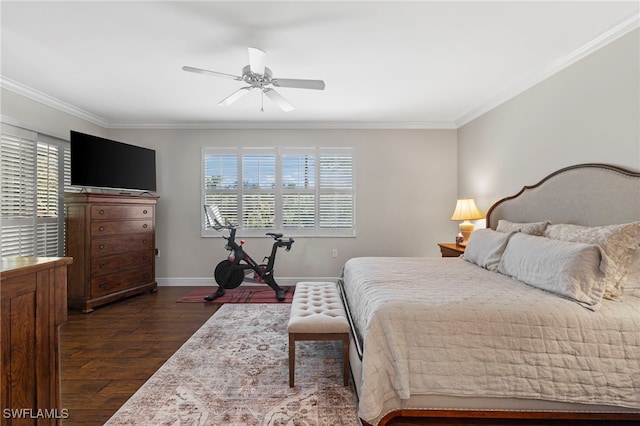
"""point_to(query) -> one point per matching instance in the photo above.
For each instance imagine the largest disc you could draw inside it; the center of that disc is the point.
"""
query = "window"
(298, 191)
(33, 168)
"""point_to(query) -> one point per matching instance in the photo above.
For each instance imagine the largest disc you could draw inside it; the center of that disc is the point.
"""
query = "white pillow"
(485, 247)
(571, 270)
(531, 228)
(618, 242)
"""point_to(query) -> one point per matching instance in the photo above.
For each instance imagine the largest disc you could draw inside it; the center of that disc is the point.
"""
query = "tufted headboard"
(584, 194)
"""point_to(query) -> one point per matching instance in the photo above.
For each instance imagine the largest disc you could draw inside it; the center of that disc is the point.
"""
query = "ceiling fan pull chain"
(262, 100)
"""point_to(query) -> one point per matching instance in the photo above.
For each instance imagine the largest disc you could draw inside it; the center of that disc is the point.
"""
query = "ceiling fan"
(259, 77)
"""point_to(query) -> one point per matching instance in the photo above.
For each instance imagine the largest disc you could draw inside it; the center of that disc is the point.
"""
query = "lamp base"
(466, 228)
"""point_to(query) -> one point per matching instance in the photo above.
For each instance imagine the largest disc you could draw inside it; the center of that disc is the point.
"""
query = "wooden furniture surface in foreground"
(33, 302)
(112, 241)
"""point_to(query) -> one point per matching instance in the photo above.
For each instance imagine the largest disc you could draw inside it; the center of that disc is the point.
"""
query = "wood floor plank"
(105, 356)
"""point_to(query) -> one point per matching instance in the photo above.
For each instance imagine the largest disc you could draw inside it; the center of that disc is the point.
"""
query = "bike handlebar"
(217, 222)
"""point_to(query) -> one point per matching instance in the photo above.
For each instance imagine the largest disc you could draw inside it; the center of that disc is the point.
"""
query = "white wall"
(589, 112)
(405, 183)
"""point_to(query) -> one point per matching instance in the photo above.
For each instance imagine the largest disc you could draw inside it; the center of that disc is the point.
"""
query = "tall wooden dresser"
(112, 241)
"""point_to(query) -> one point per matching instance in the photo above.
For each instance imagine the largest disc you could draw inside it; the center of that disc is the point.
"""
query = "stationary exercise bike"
(231, 272)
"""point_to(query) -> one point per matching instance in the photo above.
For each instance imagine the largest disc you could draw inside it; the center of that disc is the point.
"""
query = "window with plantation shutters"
(32, 168)
(298, 191)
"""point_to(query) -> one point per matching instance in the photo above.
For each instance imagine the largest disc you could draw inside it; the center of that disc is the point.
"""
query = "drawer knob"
(101, 229)
(101, 246)
(102, 285)
(101, 211)
(102, 265)
(144, 211)
(145, 226)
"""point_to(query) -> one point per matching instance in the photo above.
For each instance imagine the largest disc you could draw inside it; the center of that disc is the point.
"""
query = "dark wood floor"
(108, 354)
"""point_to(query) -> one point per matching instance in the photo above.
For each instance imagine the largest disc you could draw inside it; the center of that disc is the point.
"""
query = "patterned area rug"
(234, 371)
(242, 294)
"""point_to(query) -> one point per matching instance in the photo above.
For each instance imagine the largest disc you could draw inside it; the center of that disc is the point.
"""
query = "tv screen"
(104, 163)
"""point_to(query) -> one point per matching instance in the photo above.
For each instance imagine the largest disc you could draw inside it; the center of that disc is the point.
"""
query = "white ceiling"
(413, 64)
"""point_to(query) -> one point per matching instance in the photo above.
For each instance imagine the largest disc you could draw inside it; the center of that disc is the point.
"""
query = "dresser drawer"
(106, 212)
(119, 262)
(99, 228)
(120, 281)
(121, 244)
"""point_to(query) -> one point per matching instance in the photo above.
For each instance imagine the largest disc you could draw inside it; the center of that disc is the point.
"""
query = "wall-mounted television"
(103, 163)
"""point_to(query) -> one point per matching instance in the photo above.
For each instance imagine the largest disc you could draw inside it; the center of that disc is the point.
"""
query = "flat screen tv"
(102, 163)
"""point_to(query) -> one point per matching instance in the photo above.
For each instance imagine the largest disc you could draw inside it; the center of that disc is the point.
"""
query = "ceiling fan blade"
(214, 73)
(257, 60)
(277, 98)
(235, 96)
(299, 84)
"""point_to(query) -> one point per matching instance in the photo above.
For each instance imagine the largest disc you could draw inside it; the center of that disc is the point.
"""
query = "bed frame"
(584, 194)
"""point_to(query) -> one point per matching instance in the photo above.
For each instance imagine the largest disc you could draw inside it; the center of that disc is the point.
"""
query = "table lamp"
(466, 210)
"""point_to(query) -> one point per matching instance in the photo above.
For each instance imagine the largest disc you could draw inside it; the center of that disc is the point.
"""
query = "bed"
(539, 320)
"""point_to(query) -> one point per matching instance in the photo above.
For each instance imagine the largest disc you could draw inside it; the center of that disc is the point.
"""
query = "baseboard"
(209, 282)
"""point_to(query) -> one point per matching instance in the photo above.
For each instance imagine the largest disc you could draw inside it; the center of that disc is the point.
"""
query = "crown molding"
(43, 98)
(554, 67)
(304, 125)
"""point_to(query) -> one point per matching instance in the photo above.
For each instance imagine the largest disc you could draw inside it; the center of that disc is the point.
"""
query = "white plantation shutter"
(299, 191)
(220, 184)
(47, 180)
(258, 169)
(336, 189)
(18, 165)
(32, 168)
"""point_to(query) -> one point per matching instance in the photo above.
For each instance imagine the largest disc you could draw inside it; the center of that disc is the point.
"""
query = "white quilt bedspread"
(443, 326)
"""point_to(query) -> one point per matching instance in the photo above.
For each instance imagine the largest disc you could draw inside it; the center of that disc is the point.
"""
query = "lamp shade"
(466, 209)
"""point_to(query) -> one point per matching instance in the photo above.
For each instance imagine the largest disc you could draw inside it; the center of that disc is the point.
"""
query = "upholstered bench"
(317, 313)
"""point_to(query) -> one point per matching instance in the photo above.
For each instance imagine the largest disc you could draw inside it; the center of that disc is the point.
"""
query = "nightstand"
(450, 249)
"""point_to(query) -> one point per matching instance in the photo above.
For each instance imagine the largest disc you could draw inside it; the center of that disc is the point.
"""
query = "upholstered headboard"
(584, 194)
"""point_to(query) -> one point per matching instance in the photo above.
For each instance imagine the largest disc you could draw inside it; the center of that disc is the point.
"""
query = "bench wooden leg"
(292, 359)
(345, 358)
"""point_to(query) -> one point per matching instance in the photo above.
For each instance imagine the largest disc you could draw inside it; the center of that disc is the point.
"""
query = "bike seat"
(274, 235)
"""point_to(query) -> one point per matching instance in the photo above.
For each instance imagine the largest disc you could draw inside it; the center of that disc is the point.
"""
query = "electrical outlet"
(334, 253)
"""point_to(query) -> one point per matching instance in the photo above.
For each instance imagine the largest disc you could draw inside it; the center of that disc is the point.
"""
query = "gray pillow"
(485, 247)
(571, 270)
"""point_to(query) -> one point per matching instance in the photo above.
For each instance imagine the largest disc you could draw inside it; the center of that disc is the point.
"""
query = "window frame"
(279, 191)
